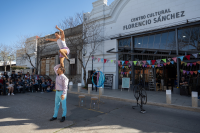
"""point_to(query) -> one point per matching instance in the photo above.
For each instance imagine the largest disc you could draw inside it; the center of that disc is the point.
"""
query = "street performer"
(61, 92)
(64, 50)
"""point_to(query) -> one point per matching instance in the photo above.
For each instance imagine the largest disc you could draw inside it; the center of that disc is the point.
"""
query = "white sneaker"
(8, 94)
(12, 94)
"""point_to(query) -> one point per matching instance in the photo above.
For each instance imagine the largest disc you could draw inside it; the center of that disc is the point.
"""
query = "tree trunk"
(84, 76)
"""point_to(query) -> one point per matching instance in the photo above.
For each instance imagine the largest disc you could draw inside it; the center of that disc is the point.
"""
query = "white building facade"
(145, 26)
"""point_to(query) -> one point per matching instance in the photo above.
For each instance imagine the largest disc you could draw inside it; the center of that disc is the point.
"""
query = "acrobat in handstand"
(64, 50)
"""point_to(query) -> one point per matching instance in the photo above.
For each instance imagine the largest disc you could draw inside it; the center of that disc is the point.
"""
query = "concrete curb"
(134, 101)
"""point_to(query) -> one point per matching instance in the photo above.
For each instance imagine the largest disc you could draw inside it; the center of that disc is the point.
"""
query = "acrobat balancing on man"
(60, 39)
(61, 80)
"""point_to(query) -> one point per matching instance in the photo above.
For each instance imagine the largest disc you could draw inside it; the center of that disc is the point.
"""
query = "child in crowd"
(43, 85)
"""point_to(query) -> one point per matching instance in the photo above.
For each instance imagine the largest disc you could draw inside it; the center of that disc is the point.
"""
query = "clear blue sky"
(32, 17)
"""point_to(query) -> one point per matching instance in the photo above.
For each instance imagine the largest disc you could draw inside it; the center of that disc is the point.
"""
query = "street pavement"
(30, 112)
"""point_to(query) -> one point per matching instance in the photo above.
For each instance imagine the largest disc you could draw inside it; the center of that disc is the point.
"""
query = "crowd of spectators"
(20, 83)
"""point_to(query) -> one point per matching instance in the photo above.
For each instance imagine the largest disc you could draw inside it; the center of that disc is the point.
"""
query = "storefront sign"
(125, 82)
(72, 61)
(156, 17)
(108, 81)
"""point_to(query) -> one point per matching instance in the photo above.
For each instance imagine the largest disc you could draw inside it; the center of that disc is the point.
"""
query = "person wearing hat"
(94, 78)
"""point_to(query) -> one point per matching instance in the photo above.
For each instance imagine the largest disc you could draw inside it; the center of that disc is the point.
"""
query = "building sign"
(108, 81)
(72, 61)
(155, 17)
(125, 82)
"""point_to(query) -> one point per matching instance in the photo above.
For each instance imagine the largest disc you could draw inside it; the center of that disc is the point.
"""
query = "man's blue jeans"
(57, 104)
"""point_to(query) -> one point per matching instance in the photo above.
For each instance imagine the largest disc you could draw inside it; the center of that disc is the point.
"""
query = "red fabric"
(188, 57)
(153, 62)
(105, 60)
(1, 81)
(126, 62)
(194, 63)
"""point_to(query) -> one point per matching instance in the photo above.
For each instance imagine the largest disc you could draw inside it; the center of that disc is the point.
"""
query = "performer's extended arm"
(56, 68)
(62, 33)
(53, 40)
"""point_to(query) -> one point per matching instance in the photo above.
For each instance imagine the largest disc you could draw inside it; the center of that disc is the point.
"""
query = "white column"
(89, 88)
(70, 86)
(168, 96)
(194, 99)
(101, 91)
(79, 87)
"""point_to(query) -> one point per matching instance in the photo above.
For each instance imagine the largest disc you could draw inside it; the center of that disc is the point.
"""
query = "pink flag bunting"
(99, 59)
(175, 59)
(188, 64)
(144, 62)
(184, 71)
(118, 61)
(191, 72)
(165, 64)
(194, 63)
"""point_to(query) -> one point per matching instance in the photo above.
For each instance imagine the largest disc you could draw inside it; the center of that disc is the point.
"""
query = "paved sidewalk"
(153, 98)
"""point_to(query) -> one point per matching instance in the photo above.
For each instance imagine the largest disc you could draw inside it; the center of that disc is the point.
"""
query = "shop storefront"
(149, 41)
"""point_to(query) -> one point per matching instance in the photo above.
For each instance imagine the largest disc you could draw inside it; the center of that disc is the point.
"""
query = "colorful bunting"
(149, 62)
(111, 61)
(172, 62)
(180, 57)
(99, 59)
(161, 65)
(143, 65)
(181, 70)
(153, 62)
(195, 55)
(115, 61)
(165, 64)
(194, 63)
(191, 72)
(182, 62)
(158, 61)
(185, 64)
(168, 63)
(102, 60)
(122, 66)
(164, 60)
(184, 71)
(153, 66)
(188, 72)
(126, 62)
(190, 64)
(144, 62)
(195, 72)
(188, 57)
(158, 65)
(135, 62)
(130, 72)
(131, 62)
(169, 59)
(105, 60)
(198, 62)
(199, 70)
(175, 59)
(119, 62)
(108, 60)
(139, 62)
(122, 62)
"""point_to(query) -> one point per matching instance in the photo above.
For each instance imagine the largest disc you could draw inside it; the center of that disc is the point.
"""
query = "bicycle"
(140, 93)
